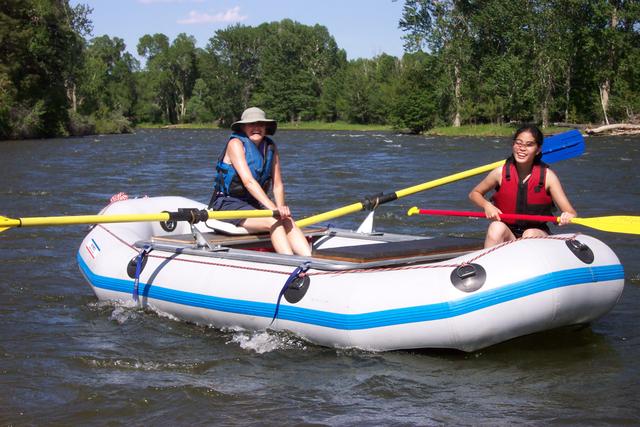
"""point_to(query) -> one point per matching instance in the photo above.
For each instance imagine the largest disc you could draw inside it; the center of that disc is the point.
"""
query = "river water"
(67, 359)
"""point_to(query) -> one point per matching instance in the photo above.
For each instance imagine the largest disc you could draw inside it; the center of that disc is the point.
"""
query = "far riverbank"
(466, 130)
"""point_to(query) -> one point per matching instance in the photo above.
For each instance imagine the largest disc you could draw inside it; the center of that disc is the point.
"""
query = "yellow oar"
(190, 215)
(613, 224)
(562, 146)
(357, 207)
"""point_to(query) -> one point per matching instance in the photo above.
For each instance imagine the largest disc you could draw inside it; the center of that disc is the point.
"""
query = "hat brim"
(272, 125)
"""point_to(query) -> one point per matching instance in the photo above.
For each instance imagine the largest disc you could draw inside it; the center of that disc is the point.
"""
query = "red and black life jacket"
(530, 197)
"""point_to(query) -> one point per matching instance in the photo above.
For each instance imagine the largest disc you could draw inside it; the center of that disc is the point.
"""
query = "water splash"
(266, 341)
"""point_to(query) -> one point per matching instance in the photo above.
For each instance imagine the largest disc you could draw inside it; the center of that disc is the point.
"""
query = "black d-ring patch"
(468, 277)
(297, 289)
(580, 250)
(133, 264)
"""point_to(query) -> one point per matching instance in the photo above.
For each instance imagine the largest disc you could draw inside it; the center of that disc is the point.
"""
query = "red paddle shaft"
(520, 217)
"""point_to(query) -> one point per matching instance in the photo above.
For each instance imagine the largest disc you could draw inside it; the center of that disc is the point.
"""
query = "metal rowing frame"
(229, 252)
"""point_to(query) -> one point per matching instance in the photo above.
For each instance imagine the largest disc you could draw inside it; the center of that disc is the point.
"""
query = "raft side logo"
(92, 248)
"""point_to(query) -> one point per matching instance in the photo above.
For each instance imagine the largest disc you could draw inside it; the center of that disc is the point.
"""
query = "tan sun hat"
(253, 115)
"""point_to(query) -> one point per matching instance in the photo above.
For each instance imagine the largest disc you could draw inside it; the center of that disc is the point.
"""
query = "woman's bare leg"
(278, 234)
(497, 233)
(534, 232)
(296, 238)
(286, 237)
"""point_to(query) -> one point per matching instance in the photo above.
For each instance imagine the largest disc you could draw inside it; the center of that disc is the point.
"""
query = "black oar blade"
(562, 146)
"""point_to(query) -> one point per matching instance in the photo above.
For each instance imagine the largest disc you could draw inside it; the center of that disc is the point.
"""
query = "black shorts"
(519, 229)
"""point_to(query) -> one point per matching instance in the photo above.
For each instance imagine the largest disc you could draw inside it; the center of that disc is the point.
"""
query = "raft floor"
(433, 248)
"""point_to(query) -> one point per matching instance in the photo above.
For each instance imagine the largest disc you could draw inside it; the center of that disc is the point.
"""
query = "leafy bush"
(114, 123)
(80, 125)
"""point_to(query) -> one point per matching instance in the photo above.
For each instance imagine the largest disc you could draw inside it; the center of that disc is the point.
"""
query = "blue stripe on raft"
(471, 303)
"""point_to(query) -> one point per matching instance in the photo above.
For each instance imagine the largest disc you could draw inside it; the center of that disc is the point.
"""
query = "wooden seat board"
(403, 249)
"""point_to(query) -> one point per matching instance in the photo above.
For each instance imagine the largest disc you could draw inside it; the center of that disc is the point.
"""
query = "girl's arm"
(487, 184)
(560, 198)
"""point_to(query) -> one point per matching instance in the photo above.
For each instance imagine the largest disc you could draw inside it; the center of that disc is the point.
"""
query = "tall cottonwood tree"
(155, 49)
(295, 62)
(617, 25)
(443, 28)
(282, 66)
(172, 71)
(183, 70)
(231, 70)
(415, 93)
(107, 83)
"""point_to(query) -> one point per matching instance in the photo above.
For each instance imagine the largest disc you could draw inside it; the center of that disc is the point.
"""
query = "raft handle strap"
(292, 277)
(139, 260)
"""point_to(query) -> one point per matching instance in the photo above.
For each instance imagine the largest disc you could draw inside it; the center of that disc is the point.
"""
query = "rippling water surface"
(67, 359)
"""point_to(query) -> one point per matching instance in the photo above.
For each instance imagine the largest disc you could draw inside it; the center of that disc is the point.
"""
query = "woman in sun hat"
(248, 167)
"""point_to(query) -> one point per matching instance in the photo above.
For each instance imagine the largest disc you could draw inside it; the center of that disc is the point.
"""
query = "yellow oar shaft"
(81, 219)
(356, 207)
(448, 179)
(106, 219)
(326, 216)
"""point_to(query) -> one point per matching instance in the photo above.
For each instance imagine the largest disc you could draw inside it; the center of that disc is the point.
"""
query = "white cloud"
(231, 15)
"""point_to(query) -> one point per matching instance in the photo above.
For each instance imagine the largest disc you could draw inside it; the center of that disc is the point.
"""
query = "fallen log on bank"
(617, 129)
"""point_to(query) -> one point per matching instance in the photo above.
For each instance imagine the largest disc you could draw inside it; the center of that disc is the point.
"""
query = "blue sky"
(362, 28)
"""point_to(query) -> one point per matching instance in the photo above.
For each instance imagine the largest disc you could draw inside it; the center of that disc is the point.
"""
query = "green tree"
(155, 49)
(614, 43)
(198, 110)
(362, 100)
(182, 60)
(108, 84)
(442, 27)
(415, 96)
(295, 61)
(172, 70)
(503, 86)
(40, 50)
(282, 66)
(230, 69)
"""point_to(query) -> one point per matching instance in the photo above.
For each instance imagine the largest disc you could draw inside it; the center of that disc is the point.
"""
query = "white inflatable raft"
(371, 291)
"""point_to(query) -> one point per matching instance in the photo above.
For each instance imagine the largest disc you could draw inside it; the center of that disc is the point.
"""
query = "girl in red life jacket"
(523, 185)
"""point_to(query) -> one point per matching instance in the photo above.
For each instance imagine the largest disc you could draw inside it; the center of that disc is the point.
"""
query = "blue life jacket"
(228, 182)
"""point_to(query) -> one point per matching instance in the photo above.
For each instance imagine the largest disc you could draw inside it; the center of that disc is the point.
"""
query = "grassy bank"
(467, 130)
(316, 125)
(486, 130)
(313, 125)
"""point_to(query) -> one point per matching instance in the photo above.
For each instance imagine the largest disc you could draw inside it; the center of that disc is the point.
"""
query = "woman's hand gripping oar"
(614, 224)
(558, 147)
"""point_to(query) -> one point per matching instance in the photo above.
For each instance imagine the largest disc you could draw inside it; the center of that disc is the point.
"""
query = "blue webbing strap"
(293, 276)
(141, 256)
